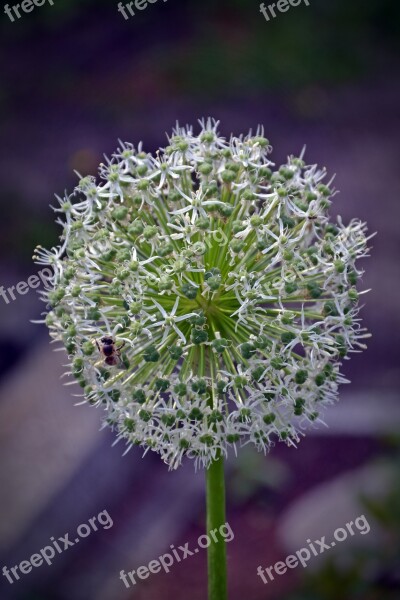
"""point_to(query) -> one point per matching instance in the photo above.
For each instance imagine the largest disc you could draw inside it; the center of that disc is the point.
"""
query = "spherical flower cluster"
(202, 295)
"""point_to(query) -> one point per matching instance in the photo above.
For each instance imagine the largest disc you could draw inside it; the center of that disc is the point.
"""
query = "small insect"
(112, 354)
(312, 217)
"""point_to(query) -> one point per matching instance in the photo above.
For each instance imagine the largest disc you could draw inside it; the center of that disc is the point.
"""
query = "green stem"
(217, 587)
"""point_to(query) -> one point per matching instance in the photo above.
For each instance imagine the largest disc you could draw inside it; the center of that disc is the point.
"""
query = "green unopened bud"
(269, 418)
(353, 295)
(257, 373)
(330, 309)
(314, 290)
(237, 246)
(247, 350)
(228, 176)
(199, 386)
(149, 232)
(145, 415)
(198, 336)
(215, 417)
(199, 319)
(238, 226)
(161, 385)
(339, 266)
(287, 337)
(195, 414)
(136, 228)
(240, 381)
(139, 396)
(175, 352)
(88, 348)
(189, 290)
(214, 282)
(205, 168)
(226, 210)
(180, 389)
(120, 213)
(219, 345)
(129, 425)
(301, 376)
(320, 379)
(151, 354)
(203, 223)
(290, 287)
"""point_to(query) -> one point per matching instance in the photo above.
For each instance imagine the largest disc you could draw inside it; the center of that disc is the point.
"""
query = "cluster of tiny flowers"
(203, 297)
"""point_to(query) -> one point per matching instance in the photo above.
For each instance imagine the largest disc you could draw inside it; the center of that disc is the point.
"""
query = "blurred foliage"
(254, 477)
(326, 42)
(371, 573)
(33, 228)
(228, 45)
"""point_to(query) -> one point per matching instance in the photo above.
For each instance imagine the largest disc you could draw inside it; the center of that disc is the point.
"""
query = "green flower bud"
(238, 226)
(115, 395)
(145, 415)
(269, 418)
(180, 389)
(136, 228)
(215, 417)
(168, 420)
(139, 396)
(198, 320)
(199, 386)
(175, 352)
(189, 290)
(314, 290)
(301, 376)
(205, 168)
(287, 337)
(237, 246)
(228, 176)
(149, 232)
(330, 309)
(161, 385)
(129, 425)
(198, 336)
(257, 373)
(226, 210)
(247, 350)
(207, 439)
(203, 223)
(151, 354)
(120, 213)
(195, 414)
(320, 379)
(214, 282)
(219, 345)
(88, 348)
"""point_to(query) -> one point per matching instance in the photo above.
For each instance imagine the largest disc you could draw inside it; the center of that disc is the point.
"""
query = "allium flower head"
(202, 295)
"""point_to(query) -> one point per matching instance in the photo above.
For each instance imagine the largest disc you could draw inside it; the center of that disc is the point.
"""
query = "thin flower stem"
(217, 577)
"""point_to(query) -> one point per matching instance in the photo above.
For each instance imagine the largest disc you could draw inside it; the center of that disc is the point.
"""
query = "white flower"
(203, 297)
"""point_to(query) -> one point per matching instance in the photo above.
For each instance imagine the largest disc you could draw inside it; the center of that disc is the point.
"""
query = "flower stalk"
(216, 553)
